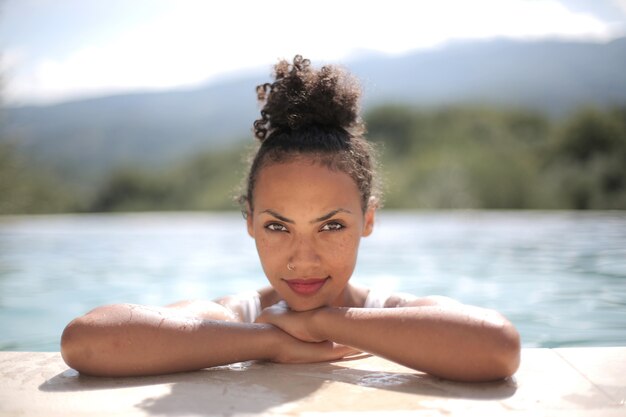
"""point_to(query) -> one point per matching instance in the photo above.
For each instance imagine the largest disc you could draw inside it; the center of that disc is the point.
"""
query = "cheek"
(342, 251)
(269, 250)
(263, 247)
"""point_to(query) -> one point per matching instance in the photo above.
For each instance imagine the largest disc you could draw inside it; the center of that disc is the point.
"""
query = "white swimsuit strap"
(250, 305)
(376, 298)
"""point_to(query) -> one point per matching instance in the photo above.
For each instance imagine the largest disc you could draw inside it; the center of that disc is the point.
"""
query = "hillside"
(552, 77)
(83, 140)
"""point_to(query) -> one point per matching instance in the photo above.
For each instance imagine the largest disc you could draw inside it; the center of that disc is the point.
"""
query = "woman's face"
(309, 217)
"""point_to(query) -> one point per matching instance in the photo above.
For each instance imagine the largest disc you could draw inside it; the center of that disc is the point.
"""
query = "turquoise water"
(559, 276)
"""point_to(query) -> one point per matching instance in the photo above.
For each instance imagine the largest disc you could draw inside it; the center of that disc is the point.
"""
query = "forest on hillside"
(464, 157)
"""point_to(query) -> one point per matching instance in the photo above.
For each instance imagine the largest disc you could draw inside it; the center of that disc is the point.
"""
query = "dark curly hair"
(312, 113)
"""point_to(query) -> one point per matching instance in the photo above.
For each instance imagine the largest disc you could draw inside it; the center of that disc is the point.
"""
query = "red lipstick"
(306, 286)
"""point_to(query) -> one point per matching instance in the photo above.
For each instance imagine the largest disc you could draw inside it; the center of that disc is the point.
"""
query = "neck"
(351, 296)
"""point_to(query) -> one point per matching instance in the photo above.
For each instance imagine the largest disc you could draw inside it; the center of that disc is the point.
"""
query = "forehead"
(304, 182)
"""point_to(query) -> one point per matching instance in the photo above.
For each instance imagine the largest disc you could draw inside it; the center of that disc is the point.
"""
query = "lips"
(306, 286)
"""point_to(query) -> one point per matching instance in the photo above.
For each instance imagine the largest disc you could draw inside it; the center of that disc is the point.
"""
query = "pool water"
(560, 277)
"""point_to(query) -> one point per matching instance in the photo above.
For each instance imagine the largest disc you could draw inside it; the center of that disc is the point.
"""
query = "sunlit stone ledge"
(550, 382)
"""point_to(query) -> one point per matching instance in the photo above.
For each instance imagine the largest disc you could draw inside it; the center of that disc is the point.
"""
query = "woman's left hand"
(297, 324)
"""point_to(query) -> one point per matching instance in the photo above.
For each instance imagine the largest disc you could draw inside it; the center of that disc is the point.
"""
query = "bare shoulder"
(409, 300)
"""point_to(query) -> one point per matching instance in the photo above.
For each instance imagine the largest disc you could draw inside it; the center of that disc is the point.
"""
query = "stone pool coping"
(550, 382)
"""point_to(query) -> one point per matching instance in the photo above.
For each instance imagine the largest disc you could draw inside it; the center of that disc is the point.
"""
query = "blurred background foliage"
(432, 158)
(479, 157)
(26, 189)
(206, 181)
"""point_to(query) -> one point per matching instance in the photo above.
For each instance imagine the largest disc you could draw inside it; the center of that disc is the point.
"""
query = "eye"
(276, 227)
(332, 227)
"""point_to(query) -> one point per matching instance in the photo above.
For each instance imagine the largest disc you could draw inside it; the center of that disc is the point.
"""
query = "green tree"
(207, 181)
(588, 160)
(461, 157)
(26, 190)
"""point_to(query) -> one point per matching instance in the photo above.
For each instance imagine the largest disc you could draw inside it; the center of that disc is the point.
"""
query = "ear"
(370, 214)
(249, 222)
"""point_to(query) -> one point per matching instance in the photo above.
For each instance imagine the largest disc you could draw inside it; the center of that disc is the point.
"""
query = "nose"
(304, 254)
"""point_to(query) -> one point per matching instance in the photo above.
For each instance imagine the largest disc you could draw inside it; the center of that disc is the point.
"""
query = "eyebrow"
(319, 219)
(278, 216)
(330, 214)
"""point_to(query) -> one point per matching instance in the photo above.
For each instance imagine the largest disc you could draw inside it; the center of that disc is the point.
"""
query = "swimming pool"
(559, 276)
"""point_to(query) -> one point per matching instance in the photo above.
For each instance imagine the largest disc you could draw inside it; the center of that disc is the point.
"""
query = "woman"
(311, 195)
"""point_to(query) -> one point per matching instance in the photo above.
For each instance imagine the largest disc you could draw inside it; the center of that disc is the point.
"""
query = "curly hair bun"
(302, 97)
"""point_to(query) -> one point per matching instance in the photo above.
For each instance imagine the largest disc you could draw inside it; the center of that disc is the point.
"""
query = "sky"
(57, 50)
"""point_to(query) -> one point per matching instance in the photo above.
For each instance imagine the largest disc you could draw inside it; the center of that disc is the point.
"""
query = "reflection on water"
(559, 276)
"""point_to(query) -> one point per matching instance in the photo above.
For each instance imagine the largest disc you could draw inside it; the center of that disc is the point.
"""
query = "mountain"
(91, 136)
(88, 137)
(554, 77)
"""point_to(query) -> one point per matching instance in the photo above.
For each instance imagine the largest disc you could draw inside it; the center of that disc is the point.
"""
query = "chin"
(305, 305)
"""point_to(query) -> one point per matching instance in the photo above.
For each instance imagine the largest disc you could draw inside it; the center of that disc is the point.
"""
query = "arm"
(448, 340)
(127, 340)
